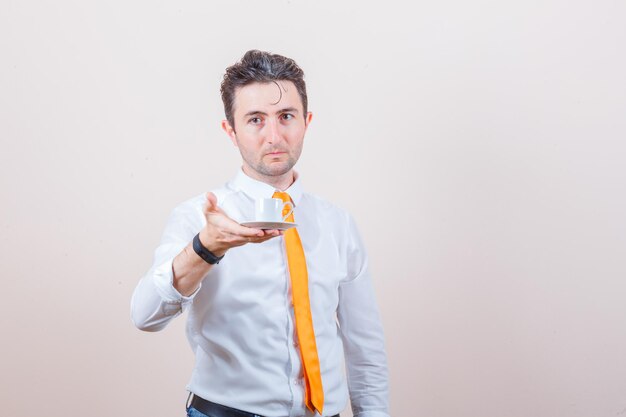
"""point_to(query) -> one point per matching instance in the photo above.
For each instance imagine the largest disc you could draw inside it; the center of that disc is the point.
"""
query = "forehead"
(266, 97)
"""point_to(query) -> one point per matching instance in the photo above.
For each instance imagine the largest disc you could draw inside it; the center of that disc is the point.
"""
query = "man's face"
(269, 127)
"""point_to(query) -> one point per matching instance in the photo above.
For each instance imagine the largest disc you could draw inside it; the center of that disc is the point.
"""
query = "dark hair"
(262, 67)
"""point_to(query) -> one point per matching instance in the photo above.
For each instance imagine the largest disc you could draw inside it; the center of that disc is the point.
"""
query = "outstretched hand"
(222, 233)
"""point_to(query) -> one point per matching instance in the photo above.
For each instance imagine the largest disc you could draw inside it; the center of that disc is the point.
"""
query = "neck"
(279, 182)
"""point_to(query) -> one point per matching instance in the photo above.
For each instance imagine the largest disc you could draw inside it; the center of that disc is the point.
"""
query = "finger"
(273, 232)
(270, 234)
(228, 225)
(260, 239)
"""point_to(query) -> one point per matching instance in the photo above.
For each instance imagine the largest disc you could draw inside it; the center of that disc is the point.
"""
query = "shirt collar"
(258, 189)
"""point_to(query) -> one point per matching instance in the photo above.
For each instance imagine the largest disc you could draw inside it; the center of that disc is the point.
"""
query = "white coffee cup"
(271, 210)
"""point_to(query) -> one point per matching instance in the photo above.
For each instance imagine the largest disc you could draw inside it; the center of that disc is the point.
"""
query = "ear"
(307, 119)
(230, 131)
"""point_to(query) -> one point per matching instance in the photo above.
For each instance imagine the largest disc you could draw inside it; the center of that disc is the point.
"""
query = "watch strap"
(204, 253)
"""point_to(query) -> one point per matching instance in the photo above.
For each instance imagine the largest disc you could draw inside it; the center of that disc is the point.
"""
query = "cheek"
(295, 134)
(250, 138)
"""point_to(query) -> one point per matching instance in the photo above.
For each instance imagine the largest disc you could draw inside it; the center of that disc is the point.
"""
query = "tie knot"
(283, 196)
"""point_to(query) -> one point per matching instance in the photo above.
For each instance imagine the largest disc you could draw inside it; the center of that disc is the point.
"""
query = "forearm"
(155, 301)
(364, 346)
(189, 270)
(367, 372)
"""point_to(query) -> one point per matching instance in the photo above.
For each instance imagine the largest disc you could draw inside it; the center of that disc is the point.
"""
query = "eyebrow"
(285, 110)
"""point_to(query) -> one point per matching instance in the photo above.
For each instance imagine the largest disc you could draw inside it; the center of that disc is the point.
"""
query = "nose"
(273, 133)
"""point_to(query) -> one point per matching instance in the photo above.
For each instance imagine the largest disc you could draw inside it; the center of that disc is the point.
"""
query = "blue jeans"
(192, 412)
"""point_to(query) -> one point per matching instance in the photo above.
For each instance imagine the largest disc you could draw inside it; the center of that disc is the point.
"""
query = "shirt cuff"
(164, 283)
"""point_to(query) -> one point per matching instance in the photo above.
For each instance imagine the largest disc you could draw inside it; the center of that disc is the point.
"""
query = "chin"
(279, 172)
(278, 169)
(276, 165)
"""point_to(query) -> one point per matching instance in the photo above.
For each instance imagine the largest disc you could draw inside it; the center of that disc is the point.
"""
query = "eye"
(255, 120)
(287, 116)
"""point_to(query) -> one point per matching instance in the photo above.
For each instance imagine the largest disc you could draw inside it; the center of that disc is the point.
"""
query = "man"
(272, 313)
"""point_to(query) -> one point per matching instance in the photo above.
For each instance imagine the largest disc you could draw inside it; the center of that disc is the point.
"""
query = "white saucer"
(270, 225)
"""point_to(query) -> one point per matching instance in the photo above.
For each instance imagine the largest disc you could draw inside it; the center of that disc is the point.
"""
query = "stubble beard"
(255, 160)
(275, 169)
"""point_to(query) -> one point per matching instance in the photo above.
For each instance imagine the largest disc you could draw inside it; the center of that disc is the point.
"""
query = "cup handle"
(290, 206)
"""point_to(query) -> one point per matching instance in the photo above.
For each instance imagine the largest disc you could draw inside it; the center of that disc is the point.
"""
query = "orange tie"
(314, 393)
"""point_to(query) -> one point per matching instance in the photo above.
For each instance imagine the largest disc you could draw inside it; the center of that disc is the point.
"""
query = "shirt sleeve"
(155, 301)
(362, 334)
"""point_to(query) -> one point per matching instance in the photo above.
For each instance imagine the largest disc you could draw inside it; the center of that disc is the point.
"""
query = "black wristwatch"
(204, 253)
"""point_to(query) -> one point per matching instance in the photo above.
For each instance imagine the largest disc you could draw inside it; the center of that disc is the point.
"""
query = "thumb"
(211, 202)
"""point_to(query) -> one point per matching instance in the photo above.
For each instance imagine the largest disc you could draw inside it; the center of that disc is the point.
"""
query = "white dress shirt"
(241, 322)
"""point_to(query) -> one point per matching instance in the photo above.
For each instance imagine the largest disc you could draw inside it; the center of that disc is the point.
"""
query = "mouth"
(275, 153)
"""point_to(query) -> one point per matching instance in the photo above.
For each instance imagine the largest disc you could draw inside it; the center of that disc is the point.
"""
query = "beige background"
(479, 144)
